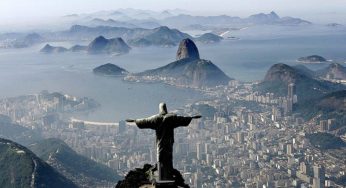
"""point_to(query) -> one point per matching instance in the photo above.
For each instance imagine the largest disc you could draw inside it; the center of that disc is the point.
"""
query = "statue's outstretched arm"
(183, 121)
(145, 123)
(196, 117)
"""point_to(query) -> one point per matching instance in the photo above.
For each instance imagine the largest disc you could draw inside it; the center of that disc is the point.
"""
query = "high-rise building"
(303, 168)
(276, 113)
(289, 149)
(323, 125)
(200, 151)
(251, 119)
(319, 176)
(331, 124)
(207, 148)
(291, 90)
(240, 137)
(290, 98)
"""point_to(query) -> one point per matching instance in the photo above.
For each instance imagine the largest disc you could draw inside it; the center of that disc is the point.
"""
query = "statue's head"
(163, 108)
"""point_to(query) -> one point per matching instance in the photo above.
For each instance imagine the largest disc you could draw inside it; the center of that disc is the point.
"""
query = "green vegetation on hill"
(329, 106)
(19, 167)
(79, 168)
(325, 141)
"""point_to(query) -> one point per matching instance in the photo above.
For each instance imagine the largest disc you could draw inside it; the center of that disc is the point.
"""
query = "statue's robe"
(164, 125)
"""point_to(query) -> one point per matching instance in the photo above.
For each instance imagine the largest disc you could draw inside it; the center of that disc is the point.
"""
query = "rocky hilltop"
(333, 71)
(164, 36)
(307, 86)
(188, 70)
(109, 46)
(82, 171)
(187, 50)
(19, 167)
(110, 70)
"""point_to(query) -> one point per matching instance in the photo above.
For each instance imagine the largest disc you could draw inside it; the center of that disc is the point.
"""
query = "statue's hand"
(130, 120)
(196, 117)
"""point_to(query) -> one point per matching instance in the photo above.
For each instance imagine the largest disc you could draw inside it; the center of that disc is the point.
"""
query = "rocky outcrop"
(189, 69)
(187, 49)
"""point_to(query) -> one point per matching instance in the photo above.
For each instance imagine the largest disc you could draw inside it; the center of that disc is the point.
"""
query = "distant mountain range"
(161, 36)
(135, 28)
(19, 167)
(179, 19)
(189, 69)
(82, 171)
(223, 20)
(141, 28)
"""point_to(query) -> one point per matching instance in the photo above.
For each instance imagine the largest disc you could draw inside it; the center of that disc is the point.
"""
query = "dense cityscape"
(244, 139)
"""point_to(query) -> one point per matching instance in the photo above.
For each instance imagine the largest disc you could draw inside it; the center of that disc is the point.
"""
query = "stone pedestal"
(165, 184)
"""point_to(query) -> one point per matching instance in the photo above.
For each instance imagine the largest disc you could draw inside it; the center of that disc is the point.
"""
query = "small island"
(312, 59)
(208, 38)
(48, 49)
(110, 70)
(100, 45)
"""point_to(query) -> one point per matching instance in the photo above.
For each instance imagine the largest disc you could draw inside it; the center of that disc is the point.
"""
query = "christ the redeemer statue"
(164, 124)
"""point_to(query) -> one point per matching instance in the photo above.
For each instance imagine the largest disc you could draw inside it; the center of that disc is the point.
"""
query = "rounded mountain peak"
(187, 49)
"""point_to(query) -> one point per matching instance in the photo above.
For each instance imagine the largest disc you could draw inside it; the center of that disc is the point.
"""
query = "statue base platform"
(145, 178)
(165, 183)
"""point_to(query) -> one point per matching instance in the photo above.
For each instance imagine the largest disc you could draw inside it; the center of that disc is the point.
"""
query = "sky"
(22, 11)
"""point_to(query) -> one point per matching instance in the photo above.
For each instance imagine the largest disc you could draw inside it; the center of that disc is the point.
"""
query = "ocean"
(26, 71)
